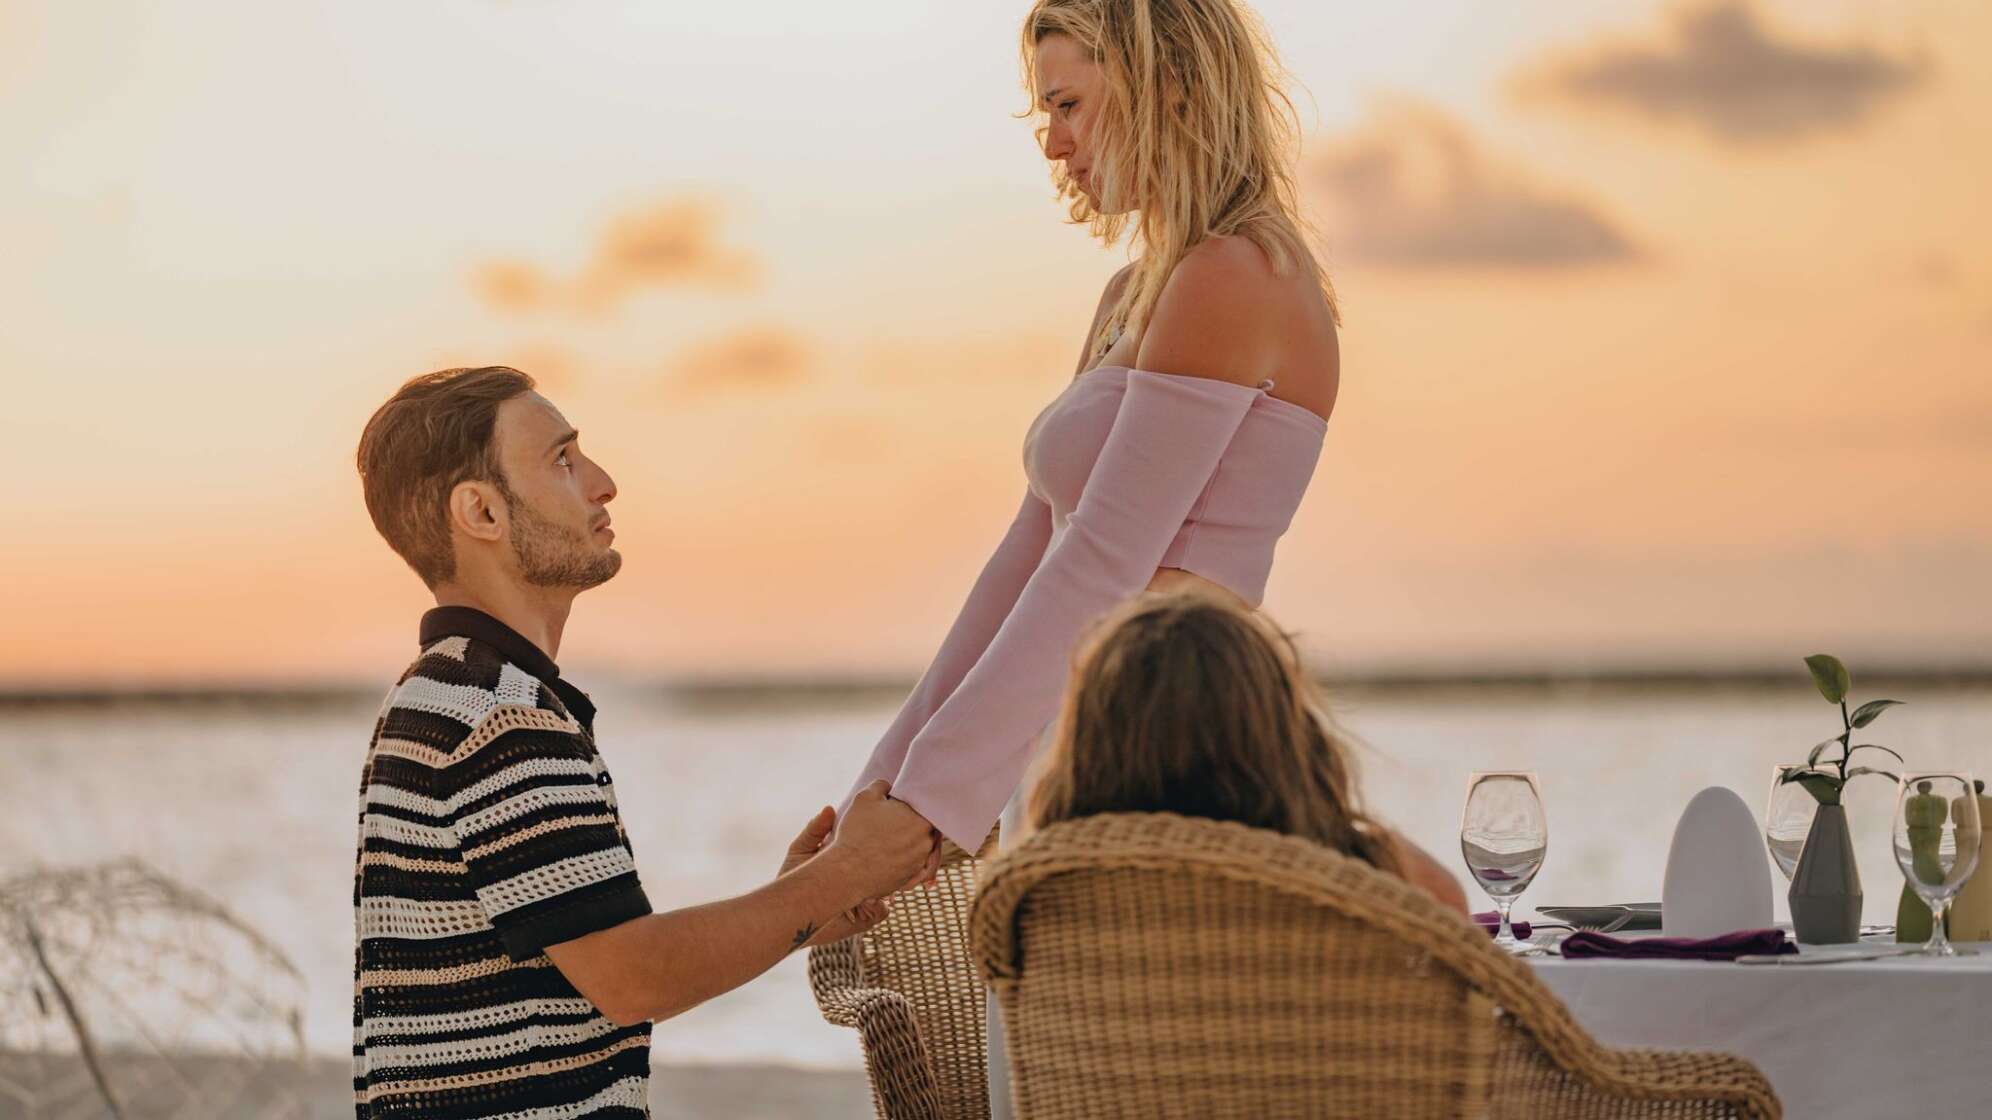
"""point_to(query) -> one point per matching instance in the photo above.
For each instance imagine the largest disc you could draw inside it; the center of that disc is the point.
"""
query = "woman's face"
(1070, 82)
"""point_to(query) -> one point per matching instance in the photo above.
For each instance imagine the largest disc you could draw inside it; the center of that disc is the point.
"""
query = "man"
(508, 962)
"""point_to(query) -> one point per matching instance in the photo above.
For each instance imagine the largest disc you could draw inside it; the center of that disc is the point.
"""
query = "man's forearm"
(668, 963)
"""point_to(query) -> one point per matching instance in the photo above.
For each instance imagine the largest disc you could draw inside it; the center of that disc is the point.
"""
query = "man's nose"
(605, 488)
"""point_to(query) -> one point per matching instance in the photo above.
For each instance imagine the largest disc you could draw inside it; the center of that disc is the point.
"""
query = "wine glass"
(1788, 819)
(1936, 835)
(1504, 834)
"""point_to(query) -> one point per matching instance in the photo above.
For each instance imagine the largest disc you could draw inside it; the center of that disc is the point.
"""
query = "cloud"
(512, 285)
(550, 364)
(752, 358)
(1723, 70)
(1935, 269)
(673, 244)
(1413, 189)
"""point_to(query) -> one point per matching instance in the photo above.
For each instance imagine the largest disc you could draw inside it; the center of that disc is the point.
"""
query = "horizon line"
(732, 691)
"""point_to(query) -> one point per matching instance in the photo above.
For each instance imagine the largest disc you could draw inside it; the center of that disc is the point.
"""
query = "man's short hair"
(434, 433)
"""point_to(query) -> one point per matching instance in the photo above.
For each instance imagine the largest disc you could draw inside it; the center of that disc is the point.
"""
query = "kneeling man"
(508, 963)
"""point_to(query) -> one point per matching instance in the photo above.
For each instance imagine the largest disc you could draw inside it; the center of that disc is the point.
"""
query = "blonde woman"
(1179, 452)
(1183, 703)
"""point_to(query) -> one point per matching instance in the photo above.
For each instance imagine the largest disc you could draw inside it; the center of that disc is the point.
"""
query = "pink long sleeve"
(989, 603)
(1166, 440)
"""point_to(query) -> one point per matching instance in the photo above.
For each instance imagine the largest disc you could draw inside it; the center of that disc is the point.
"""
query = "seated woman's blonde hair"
(1185, 703)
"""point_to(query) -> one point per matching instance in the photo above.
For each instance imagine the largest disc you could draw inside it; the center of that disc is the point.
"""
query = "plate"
(1624, 916)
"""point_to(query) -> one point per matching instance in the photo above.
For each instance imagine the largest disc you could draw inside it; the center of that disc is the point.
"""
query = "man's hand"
(851, 922)
(858, 918)
(810, 840)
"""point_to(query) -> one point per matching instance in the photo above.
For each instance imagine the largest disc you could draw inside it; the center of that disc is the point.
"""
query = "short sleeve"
(537, 827)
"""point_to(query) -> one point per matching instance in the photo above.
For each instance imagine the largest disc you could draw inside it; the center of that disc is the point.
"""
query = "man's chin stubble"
(578, 576)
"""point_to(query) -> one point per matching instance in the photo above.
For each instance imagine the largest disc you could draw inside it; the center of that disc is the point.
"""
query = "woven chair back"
(1158, 966)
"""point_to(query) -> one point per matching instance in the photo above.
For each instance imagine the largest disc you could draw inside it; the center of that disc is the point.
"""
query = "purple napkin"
(1490, 920)
(1586, 943)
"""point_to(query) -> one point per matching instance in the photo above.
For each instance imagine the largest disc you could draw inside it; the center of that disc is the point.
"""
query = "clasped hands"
(882, 844)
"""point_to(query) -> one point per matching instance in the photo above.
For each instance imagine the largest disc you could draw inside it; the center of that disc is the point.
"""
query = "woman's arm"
(989, 602)
(1419, 869)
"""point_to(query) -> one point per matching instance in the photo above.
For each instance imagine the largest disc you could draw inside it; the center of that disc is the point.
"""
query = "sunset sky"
(1668, 328)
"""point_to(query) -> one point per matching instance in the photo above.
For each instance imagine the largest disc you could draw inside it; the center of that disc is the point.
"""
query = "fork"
(1615, 924)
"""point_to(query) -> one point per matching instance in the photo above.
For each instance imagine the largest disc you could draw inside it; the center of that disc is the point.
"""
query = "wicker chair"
(1153, 965)
(916, 998)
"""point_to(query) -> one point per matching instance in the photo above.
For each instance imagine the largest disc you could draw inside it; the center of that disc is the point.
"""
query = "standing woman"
(1180, 450)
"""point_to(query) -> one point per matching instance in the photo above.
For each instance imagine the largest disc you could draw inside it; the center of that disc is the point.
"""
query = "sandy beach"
(321, 1089)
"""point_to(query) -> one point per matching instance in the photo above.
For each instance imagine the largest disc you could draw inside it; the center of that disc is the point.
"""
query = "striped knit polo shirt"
(488, 831)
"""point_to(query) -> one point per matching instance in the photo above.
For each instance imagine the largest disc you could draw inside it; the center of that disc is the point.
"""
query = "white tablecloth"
(1907, 1037)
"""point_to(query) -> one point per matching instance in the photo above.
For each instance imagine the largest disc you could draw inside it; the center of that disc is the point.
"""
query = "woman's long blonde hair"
(1196, 135)
(1185, 703)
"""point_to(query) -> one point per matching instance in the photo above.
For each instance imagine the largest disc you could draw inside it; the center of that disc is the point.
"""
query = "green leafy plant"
(1824, 777)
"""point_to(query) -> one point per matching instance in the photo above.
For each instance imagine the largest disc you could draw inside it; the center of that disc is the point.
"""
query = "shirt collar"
(469, 622)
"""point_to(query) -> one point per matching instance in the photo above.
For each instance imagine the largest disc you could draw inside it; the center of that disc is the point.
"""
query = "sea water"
(258, 806)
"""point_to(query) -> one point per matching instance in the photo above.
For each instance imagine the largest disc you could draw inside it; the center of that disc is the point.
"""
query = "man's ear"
(478, 511)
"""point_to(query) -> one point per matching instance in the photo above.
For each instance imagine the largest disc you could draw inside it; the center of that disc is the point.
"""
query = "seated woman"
(1186, 703)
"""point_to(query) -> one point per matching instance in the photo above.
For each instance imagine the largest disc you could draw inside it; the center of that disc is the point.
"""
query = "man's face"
(556, 496)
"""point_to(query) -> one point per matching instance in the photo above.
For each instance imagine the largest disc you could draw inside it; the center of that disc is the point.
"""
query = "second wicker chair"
(1151, 965)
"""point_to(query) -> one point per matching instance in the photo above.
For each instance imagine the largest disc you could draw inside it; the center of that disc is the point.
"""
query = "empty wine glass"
(1788, 819)
(1504, 835)
(1936, 843)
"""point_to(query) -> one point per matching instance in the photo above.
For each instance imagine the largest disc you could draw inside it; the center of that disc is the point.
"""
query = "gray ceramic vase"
(1826, 887)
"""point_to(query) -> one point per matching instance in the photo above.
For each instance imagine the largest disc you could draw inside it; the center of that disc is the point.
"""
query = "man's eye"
(562, 459)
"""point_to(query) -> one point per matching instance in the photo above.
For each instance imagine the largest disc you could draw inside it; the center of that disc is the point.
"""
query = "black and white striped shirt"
(488, 831)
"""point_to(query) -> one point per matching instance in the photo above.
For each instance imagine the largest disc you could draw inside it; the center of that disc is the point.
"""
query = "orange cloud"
(673, 244)
(1935, 269)
(765, 357)
(1414, 189)
(512, 285)
(1724, 71)
(552, 366)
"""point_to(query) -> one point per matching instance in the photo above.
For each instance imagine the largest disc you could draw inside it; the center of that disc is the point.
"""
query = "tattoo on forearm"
(802, 936)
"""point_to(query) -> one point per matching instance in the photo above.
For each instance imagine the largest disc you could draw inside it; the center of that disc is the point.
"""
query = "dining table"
(1903, 1036)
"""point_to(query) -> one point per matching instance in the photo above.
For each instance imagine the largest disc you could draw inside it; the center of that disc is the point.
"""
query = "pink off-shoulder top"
(1128, 471)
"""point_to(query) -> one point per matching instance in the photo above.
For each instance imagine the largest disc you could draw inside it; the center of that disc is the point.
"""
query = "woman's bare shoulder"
(1222, 314)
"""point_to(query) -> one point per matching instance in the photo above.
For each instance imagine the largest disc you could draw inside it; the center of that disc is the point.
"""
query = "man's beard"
(553, 555)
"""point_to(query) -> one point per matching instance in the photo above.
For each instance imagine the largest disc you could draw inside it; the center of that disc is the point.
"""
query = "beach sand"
(59, 1086)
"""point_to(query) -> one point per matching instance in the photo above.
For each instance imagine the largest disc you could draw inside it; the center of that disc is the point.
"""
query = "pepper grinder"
(1925, 812)
(1971, 910)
